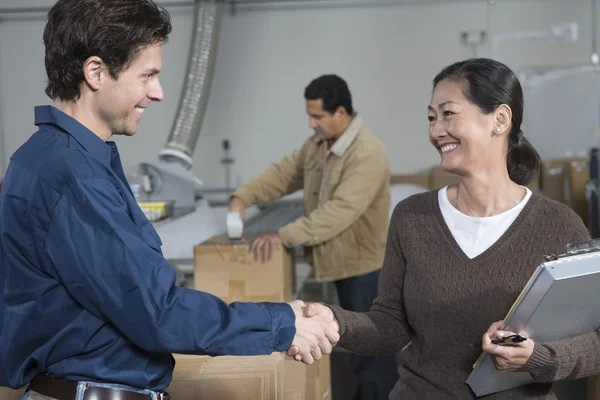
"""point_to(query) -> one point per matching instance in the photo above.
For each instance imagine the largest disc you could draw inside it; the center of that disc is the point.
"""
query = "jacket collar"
(345, 139)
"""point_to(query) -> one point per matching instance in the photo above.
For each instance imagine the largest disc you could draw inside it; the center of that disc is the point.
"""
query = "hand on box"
(507, 357)
(315, 335)
(262, 246)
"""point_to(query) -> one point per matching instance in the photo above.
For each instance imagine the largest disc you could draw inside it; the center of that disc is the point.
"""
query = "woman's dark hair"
(334, 92)
(114, 30)
(488, 84)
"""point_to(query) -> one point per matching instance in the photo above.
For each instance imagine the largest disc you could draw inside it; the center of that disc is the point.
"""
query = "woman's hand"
(507, 357)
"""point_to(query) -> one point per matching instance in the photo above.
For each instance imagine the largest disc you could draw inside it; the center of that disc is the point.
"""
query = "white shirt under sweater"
(475, 235)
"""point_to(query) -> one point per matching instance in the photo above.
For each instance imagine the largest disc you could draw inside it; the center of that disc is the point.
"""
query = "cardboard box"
(228, 378)
(593, 387)
(564, 180)
(9, 394)
(577, 175)
(318, 380)
(553, 179)
(227, 270)
(273, 377)
(295, 383)
(308, 382)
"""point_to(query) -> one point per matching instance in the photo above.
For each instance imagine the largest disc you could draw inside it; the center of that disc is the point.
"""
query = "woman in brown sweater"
(457, 258)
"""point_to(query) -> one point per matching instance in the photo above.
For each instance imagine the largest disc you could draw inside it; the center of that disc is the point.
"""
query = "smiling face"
(464, 136)
(121, 101)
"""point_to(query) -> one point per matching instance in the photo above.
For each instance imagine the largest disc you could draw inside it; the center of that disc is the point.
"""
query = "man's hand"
(314, 336)
(507, 357)
(237, 205)
(320, 311)
(262, 246)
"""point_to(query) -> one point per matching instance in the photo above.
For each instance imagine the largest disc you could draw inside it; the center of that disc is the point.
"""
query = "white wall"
(388, 55)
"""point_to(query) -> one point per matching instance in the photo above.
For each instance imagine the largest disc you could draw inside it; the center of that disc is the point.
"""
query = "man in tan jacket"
(344, 172)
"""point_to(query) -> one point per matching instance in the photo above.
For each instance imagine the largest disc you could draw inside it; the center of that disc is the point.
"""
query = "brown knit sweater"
(432, 294)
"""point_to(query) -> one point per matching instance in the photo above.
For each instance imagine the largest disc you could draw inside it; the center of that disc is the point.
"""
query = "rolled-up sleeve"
(96, 250)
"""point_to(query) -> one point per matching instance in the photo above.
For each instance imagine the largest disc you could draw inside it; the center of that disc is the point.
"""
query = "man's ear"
(94, 72)
(341, 111)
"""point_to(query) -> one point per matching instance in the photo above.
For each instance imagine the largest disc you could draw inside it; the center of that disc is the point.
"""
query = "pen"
(505, 340)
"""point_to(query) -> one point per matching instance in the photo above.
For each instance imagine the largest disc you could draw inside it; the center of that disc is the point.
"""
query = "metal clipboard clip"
(577, 248)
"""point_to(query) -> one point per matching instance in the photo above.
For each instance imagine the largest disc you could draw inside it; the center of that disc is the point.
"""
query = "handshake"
(317, 331)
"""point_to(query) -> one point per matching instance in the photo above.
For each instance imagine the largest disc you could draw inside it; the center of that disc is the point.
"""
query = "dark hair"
(334, 92)
(114, 30)
(489, 84)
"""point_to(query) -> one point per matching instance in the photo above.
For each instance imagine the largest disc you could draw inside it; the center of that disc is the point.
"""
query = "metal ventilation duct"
(192, 104)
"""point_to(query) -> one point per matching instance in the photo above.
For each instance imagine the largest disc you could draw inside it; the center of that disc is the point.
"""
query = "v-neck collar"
(494, 247)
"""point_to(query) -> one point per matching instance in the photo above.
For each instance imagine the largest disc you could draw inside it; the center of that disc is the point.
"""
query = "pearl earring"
(497, 129)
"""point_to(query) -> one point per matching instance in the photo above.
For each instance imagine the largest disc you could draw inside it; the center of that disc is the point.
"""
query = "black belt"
(63, 389)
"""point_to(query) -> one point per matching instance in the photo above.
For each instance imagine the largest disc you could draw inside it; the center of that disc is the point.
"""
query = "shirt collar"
(345, 140)
(50, 115)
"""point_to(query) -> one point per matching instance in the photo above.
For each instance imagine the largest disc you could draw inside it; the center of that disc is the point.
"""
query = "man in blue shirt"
(89, 307)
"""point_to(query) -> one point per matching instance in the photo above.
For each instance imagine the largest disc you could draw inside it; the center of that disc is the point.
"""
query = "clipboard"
(559, 301)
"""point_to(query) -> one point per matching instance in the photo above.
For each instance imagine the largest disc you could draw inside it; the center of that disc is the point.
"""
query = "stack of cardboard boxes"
(228, 270)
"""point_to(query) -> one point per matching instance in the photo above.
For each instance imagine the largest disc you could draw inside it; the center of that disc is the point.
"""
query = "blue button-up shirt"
(86, 293)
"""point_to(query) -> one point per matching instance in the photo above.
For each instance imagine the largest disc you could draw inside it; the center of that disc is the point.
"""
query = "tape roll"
(235, 225)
